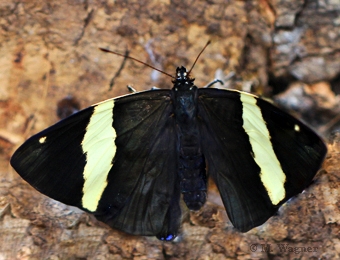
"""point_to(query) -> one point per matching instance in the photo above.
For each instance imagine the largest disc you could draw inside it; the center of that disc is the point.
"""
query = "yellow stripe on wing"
(272, 175)
(99, 145)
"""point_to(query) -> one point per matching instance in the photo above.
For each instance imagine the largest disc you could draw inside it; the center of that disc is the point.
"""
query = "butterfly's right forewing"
(116, 159)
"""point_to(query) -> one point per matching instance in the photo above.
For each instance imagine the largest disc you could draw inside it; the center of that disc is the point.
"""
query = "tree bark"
(49, 50)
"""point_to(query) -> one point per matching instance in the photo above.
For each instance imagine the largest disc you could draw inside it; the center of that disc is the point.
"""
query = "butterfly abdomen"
(191, 163)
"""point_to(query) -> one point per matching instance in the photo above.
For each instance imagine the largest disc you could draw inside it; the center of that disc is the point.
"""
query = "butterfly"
(130, 160)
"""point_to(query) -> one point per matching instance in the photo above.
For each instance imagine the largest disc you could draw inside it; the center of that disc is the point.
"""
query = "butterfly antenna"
(199, 56)
(128, 57)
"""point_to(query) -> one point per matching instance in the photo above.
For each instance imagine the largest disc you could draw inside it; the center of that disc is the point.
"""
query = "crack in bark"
(86, 23)
(299, 13)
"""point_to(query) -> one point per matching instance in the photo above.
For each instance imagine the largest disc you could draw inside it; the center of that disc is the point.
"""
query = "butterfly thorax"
(191, 163)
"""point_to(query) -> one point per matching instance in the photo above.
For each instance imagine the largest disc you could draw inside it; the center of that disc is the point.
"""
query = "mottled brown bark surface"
(49, 50)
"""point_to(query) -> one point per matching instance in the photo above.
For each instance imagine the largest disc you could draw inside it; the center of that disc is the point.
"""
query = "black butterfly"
(127, 160)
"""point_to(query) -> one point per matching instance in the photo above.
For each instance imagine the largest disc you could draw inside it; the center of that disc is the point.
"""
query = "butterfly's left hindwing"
(258, 156)
(115, 159)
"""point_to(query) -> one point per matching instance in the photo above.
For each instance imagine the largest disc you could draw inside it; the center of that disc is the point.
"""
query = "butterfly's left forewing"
(258, 156)
(115, 159)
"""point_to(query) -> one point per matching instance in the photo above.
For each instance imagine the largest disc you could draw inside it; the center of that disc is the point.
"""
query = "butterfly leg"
(220, 74)
(213, 82)
(131, 89)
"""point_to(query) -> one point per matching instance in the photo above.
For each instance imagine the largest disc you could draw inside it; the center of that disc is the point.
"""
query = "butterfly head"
(182, 80)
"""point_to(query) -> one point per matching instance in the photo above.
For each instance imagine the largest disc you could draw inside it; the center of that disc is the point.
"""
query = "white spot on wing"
(99, 145)
(272, 176)
(42, 139)
(297, 128)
